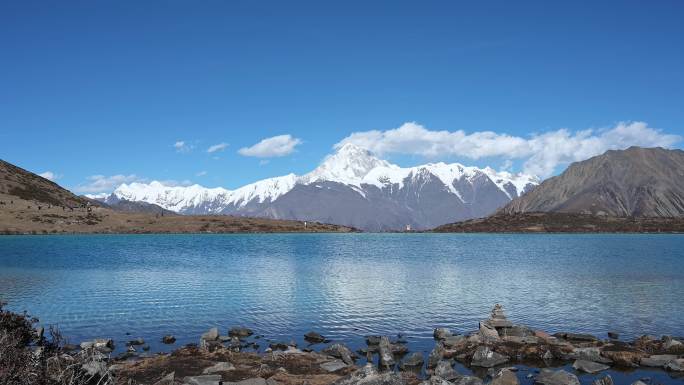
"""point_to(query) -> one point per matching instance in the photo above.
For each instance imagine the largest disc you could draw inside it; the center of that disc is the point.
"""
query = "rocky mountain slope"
(640, 182)
(353, 188)
(25, 185)
(30, 204)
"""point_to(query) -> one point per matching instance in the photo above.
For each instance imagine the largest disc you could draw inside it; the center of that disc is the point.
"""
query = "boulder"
(369, 375)
(624, 358)
(467, 380)
(385, 353)
(578, 337)
(485, 357)
(589, 354)
(445, 370)
(516, 331)
(441, 333)
(168, 339)
(333, 366)
(606, 380)
(488, 332)
(219, 367)
(314, 337)
(675, 365)
(210, 379)
(412, 361)
(504, 377)
(435, 356)
(589, 366)
(669, 343)
(340, 351)
(613, 336)
(556, 377)
(211, 335)
(167, 379)
(240, 332)
(454, 342)
(373, 340)
(435, 380)
(657, 360)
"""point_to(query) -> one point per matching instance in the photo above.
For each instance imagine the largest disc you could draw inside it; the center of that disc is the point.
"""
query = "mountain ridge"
(351, 187)
(640, 182)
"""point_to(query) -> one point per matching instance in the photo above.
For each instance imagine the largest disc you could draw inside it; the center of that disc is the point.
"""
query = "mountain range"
(351, 187)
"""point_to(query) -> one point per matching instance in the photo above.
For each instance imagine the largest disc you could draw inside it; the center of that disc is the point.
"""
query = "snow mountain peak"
(350, 187)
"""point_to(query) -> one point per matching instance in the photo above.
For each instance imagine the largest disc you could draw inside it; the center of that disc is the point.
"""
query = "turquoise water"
(344, 286)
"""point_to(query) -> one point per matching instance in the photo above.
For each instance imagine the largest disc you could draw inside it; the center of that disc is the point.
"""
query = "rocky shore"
(497, 353)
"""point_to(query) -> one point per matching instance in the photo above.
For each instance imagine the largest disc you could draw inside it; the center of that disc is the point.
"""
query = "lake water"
(344, 286)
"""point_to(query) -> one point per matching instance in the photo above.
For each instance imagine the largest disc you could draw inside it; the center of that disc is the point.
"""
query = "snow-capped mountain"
(350, 187)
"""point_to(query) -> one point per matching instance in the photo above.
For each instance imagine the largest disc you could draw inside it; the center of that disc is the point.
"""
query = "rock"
(577, 337)
(169, 339)
(516, 331)
(385, 353)
(40, 333)
(488, 332)
(146, 348)
(487, 358)
(314, 337)
(104, 345)
(675, 365)
(210, 379)
(340, 351)
(624, 358)
(373, 340)
(445, 370)
(669, 343)
(467, 380)
(657, 360)
(558, 377)
(613, 336)
(606, 380)
(137, 341)
(240, 332)
(333, 366)
(589, 366)
(252, 381)
(211, 335)
(167, 379)
(638, 382)
(369, 375)
(454, 342)
(435, 380)
(589, 354)
(441, 333)
(131, 349)
(504, 377)
(412, 361)
(435, 356)
(278, 346)
(235, 344)
(219, 367)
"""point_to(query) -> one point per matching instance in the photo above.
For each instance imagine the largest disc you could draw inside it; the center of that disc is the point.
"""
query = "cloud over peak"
(541, 153)
(272, 147)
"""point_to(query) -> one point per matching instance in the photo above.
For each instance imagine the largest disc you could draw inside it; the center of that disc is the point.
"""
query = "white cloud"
(201, 173)
(49, 175)
(275, 146)
(541, 153)
(101, 183)
(182, 147)
(217, 147)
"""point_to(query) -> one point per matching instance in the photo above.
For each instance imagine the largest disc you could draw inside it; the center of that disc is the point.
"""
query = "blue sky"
(106, 88)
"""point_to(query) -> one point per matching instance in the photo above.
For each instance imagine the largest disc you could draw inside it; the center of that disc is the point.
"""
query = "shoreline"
(498, 353)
